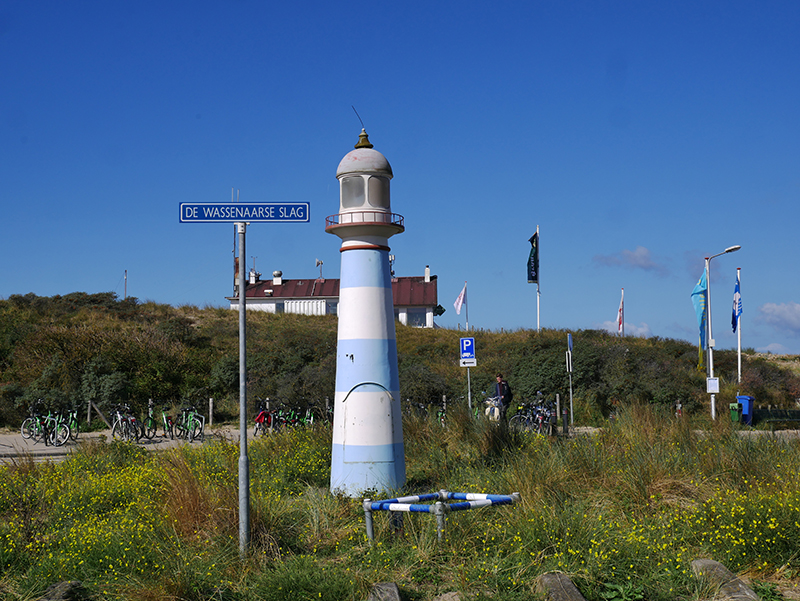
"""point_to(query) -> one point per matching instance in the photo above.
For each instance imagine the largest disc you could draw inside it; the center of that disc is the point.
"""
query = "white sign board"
(712, 385)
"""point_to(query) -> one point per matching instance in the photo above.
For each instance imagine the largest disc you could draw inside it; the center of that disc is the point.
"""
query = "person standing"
(503, 392)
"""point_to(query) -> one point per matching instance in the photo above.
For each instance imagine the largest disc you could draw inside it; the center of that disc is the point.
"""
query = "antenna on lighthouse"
(319, 264)
(359, 117)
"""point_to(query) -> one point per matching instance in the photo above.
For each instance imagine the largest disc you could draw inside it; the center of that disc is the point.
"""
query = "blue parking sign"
(468, 353)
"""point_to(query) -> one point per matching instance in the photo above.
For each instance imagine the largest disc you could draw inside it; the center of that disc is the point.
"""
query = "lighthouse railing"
(364, 217)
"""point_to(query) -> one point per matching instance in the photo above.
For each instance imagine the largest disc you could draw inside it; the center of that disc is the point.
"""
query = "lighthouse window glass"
(352, 192)
(379, 192)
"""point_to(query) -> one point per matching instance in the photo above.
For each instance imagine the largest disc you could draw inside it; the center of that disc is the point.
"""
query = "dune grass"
(625, 509)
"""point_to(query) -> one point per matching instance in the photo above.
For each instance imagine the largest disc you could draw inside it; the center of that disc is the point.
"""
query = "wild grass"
(624, 509)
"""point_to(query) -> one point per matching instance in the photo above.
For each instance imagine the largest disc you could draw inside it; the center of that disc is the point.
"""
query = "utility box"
(736, 412)
(747, 409)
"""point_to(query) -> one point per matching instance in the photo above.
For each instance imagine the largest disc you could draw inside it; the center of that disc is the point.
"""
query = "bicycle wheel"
(196, 431)
(60, 435)
(117, 430)
(518, 423)
(149, 428)
(74, 429)
(28, 428)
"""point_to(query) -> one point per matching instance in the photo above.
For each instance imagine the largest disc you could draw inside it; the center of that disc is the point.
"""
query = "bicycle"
(265, 420)
(73, 424)
(167, 423)
(190, 425)
(49, 429)
(125, 426)
(32, 426)
(534, 417)
(149, 425)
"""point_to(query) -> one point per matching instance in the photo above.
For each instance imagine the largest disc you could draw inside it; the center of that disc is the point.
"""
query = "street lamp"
(730, 249)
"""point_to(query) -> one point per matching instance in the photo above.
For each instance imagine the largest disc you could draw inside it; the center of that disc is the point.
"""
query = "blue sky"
(640, 137)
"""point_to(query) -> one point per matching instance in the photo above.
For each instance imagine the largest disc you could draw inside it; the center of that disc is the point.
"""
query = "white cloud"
(774, 348)
(784, 317)
(641, 331)
(633, 259)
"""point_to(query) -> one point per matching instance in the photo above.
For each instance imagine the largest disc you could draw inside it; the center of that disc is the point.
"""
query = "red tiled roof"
(406, 292)
(414, 292)
(319, 288)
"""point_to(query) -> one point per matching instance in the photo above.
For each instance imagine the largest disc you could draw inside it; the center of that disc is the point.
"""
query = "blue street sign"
(233, 212)
(468, 353)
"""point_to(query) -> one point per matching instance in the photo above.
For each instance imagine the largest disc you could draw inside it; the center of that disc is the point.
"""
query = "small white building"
(415, 298)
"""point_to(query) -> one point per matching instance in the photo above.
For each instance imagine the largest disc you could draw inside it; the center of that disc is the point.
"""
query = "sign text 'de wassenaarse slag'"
(200, 212)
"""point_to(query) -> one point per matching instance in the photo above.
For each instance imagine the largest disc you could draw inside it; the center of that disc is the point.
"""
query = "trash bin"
(736, 411)
(747, 409)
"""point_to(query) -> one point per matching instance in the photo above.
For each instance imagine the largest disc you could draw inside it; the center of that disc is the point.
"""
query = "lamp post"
(710, 337)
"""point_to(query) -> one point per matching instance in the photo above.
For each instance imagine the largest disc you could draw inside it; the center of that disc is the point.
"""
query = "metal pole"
(571, 415)
(739, 327)
(469, 392)
(710, 340)
(244, 461)
(367, 505)
(538, 277)
(710, 336)
(569, 371)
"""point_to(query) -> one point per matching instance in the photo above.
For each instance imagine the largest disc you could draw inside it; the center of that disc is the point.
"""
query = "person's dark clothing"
(503, 392)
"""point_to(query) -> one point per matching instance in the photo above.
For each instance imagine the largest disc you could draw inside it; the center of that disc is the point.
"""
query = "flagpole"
(538, 292)
(466, 316)
(739, 326)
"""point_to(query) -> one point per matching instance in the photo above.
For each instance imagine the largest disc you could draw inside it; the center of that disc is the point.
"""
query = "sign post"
(468, 360)
(569, 371)
(242, 213)
(244, 460)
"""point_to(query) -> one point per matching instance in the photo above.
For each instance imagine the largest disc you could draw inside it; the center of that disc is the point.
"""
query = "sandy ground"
(13, 446)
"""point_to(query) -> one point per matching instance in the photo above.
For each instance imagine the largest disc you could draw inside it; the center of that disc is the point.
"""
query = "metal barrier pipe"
(368, 520)
(439, 510)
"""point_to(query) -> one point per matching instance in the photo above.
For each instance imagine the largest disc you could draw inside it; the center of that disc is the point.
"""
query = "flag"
(461, 300)
(699, 296)
(533, 259)
(621, 314)
(737, 305)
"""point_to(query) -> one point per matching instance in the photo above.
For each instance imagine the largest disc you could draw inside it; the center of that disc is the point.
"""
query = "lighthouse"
(367, 447)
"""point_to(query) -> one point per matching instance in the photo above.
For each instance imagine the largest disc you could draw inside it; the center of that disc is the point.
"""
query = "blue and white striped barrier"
(415, 504)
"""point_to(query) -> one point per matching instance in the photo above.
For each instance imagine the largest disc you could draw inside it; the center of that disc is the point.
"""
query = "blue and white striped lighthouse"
(368, 451)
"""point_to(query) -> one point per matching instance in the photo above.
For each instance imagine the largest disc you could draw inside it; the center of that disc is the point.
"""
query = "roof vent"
(277, 279)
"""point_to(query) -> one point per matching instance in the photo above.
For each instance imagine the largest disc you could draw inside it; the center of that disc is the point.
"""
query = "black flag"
(533, 259)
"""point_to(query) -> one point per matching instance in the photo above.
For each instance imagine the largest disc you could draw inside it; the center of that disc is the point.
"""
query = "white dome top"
(364, 159)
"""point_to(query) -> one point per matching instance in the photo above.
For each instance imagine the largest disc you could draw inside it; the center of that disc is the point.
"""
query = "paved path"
(13, 446)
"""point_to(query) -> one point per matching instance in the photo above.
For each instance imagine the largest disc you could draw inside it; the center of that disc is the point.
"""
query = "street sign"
(468, 353)
(232, 212)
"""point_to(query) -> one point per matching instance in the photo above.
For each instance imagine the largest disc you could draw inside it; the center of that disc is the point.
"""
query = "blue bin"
(747, 409)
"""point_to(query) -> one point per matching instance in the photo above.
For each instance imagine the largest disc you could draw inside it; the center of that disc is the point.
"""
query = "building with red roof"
(415, 298)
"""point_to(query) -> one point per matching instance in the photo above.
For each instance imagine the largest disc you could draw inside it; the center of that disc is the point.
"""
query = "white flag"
(462, 299)
(621, 314)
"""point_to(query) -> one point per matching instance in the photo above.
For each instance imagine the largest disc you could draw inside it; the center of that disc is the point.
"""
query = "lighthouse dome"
(364, 159)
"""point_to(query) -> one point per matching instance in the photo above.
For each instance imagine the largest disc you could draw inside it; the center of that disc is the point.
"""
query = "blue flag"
(699, 300)
(737, 305)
